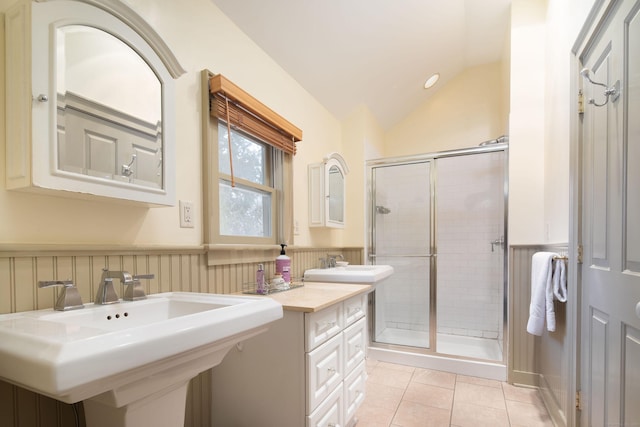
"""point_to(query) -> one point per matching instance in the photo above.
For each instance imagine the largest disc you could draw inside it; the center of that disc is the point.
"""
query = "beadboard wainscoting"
(194, 269)
(538, 361)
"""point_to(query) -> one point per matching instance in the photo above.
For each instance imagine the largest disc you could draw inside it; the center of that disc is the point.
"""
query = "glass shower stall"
(440, 221)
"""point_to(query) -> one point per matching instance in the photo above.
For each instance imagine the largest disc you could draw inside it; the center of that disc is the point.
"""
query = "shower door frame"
(370, 253)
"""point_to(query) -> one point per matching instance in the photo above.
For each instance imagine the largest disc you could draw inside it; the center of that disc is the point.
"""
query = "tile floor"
(403, 396)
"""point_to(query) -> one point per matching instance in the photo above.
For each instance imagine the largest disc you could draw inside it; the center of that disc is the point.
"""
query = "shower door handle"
(499, 241)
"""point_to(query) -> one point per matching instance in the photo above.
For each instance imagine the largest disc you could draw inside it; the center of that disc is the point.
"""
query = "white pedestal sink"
(365, 274)
(129, 362)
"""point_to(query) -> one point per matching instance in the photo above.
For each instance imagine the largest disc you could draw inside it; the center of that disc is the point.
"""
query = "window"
(246, 198)
(249, 188)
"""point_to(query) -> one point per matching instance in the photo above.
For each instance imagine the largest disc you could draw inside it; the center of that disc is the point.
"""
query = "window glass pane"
(249, 157)
(244, 211)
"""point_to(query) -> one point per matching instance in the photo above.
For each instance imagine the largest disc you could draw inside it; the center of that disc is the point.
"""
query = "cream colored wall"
(375, 136)
(527, 123)
(557, 107)
(564, 20)
(362, 139)
(542, 36)
(506, 79)
(201, 37)
(468, 110)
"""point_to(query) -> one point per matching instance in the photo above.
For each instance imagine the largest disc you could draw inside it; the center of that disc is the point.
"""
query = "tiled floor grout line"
(462, 387)
(404, 392)
(504, 396)
(453, 400)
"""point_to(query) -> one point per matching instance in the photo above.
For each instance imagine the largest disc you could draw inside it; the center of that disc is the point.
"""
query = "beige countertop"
(315, 296)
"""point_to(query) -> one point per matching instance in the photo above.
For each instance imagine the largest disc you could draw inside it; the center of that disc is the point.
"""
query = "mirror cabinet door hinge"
(579, 400)
(580, 102)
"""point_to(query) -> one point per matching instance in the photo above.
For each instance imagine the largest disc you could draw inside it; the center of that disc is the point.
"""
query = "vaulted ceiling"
(374, 52)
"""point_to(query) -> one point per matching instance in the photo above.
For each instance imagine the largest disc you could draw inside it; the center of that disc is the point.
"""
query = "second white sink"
(365, 274)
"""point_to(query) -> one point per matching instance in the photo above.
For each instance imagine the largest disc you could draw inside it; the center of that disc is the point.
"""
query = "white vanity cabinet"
(307, 370)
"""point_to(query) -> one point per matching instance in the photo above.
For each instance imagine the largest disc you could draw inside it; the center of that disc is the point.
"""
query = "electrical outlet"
(186, 214)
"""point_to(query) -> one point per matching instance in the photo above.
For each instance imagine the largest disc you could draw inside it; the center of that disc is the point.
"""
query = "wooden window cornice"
(250, 115)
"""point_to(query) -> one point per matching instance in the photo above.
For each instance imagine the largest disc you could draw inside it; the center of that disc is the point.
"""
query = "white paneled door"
(610, 143)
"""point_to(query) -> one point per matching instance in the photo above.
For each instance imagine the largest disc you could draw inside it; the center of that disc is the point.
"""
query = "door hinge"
(580, 252)
(579, 400)
(580, 102)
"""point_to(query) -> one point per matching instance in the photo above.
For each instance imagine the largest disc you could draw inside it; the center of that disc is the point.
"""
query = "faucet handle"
(69, 298)
(124, 276)
(50, 283)
(143, 276)
(134, 290)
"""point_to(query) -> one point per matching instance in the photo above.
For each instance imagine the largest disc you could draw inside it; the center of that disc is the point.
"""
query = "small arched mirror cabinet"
(327, 192)
(90, 102)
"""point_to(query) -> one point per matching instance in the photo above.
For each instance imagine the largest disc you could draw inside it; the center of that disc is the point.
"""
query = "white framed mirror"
(327, 198)
(102, 116)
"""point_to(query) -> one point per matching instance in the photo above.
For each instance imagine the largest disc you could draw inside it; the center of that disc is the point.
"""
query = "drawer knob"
(333, 425)
(329, 324)
(331, 370)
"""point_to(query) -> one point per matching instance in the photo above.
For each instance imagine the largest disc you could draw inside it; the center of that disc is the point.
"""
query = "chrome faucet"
(331, 260)
(69, 298)
(134, 290)
(106, 291)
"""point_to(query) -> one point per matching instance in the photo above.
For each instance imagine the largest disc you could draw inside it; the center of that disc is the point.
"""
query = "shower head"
(382, 210)
(499, 140)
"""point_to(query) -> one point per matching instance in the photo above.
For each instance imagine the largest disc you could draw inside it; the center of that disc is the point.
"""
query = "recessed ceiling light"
(432, 81)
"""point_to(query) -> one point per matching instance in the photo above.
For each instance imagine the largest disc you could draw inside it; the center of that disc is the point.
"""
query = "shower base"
(488, 350)
(478, 348)
(406, 337)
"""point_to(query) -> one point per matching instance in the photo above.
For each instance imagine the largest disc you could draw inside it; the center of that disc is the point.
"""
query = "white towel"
(541, 294)
(560, 280)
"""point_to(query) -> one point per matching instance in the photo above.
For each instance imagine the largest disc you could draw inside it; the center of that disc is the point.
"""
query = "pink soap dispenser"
(283, 266)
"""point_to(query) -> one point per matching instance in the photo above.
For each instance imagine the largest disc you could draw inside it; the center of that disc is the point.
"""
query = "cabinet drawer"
(330, 412)
(322, 325)
(355, 342)
(354, 391)
(355, 308)
(324, 371)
